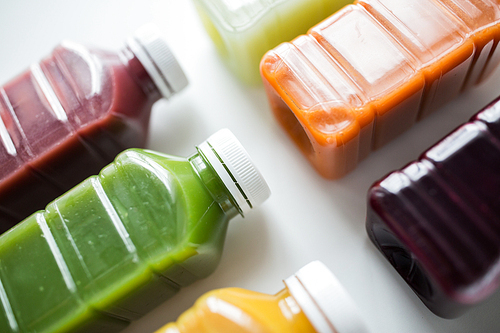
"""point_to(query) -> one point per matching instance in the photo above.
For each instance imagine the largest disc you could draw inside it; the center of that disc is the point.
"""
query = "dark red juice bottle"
(437, 220)
(68, 116)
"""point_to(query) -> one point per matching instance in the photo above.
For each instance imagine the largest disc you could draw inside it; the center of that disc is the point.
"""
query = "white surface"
(306, 217)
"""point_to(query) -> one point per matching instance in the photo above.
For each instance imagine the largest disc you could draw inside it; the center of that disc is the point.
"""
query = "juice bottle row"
(106, 251)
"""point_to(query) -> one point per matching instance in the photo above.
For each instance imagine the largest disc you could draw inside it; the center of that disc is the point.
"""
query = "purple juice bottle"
(68, 116)
(437, 220)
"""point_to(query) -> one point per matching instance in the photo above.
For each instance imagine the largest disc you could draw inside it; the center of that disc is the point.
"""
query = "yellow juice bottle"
(313, 300)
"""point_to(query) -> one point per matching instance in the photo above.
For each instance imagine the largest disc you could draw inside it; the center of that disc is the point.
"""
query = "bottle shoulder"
(87, 73)
(101, 81)
(173, 173)
(243, 311)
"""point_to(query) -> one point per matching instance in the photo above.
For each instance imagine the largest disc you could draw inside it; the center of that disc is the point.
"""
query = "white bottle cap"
(155, 55)
(324, 301)
(236, 170)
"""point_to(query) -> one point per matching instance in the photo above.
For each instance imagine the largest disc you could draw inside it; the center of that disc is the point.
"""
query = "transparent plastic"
(437, 220)
(115, 246)
(370, 71)
(64, 119)
(243, 30)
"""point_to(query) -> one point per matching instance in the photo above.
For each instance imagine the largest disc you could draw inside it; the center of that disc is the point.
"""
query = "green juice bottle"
(120, 243)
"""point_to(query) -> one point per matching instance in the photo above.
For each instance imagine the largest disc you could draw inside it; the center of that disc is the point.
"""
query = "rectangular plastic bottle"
(367, 73)
(437, 220)
(120, 243)
(243, 30)
(313, 301)
(69, 115)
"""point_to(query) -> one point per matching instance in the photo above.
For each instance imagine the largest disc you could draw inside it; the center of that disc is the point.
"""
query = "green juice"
(117, 245)
(243, 31)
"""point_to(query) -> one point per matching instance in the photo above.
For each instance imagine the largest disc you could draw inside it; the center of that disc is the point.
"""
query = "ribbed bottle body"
(438, 219)
(367, 73)
(243, 31)
(111, 249)
(63, 120)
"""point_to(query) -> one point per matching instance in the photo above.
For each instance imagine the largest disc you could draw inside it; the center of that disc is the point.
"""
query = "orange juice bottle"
(367, 73)
(313, 300)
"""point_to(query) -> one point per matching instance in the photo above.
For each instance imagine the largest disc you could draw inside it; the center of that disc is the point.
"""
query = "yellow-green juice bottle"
(120, 243)
(244, 30)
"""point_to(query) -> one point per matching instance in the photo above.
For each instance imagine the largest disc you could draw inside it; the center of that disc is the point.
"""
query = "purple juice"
(437, 220)
(69, 115)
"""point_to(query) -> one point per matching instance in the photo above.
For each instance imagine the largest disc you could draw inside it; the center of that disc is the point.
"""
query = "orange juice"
(367, 73)
(312, 301)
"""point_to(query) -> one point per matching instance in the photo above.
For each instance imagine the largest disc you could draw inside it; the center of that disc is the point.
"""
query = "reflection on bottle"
(70, 114)
(367, 73)
(437, 220)
(120, 243)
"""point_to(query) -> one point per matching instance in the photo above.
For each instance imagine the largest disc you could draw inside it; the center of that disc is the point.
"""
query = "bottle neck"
(214, 185)
(139, 74)
(293, 312)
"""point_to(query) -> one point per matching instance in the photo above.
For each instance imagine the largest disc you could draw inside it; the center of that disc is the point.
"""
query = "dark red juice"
(68, 116)
(437, 220)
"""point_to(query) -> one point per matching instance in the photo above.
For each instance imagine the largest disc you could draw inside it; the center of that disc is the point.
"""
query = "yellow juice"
(240, 310)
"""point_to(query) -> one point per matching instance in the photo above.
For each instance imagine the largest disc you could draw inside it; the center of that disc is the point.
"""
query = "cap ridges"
(158, 60)
(233, 164)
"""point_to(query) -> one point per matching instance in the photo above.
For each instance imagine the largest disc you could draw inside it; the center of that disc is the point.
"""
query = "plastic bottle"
(120, 243)
(367, 73)
(437, 220)
(313, 300)
(69, 115)
(243, 30)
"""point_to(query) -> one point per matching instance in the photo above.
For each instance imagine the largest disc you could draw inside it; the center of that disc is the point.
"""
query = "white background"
(306, 217)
